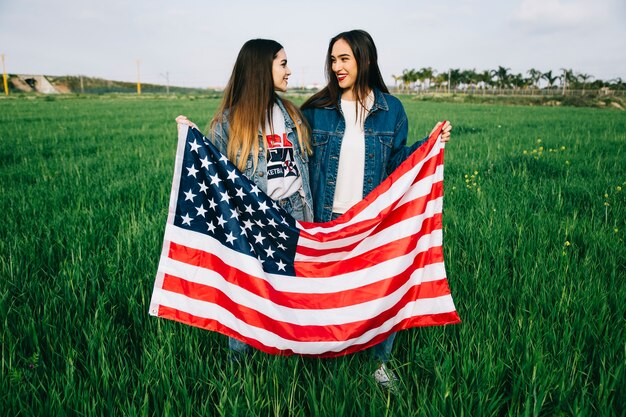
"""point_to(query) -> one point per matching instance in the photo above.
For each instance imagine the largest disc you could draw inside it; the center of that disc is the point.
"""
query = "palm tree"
(567, 78)
(455, 77)
(534, 76)
(440, 79)
(583, 78)
(420, 77)
(427, 74)
(617, 84)
(549, 78)
(396, 78)
(502, 75)
(485, 78)
(518, 81)
(469, 77)
(408, 77)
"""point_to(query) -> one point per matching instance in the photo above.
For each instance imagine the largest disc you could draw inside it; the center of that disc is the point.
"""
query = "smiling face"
(280, 71)
(344, 66)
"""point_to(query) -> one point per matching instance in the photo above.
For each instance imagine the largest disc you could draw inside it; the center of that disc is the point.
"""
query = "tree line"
(501, 78)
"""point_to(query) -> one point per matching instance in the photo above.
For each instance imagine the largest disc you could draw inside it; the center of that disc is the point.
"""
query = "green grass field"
(535, 221)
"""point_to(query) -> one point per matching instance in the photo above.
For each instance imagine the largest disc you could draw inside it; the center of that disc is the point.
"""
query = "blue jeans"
(380, 352)
(238, 346)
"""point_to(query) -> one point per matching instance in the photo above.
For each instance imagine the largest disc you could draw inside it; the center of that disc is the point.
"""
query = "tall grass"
(534, 220)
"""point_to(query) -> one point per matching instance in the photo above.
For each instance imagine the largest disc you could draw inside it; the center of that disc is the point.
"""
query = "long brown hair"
(249, 98)
(368, 73)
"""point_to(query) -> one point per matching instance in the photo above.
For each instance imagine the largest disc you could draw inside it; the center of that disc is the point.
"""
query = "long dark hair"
(368, 73)
(249, 98)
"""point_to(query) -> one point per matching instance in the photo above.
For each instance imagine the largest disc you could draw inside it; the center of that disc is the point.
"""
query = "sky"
(194, 43)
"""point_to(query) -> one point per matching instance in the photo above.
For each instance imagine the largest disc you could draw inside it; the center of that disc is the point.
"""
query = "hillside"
(72, 84)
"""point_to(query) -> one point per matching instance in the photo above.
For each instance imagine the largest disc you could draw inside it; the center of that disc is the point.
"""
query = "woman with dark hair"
(359, 136)
(264, 135)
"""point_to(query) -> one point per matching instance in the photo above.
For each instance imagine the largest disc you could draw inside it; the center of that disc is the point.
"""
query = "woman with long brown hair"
(359, 137)
(264, 135)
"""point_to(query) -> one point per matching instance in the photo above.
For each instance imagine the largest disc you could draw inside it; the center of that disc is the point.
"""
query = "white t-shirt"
(349, 189)
(283, 177)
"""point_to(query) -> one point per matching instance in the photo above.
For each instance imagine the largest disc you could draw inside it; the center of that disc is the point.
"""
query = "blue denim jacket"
(386, 130)
(300, 207)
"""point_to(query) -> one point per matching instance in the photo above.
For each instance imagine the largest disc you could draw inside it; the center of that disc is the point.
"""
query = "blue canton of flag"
(217, 200)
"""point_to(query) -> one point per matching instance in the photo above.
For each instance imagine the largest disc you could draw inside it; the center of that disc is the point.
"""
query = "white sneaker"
(386, 378)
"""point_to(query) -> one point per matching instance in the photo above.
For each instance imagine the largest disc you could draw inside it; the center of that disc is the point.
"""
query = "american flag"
(233, 261)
